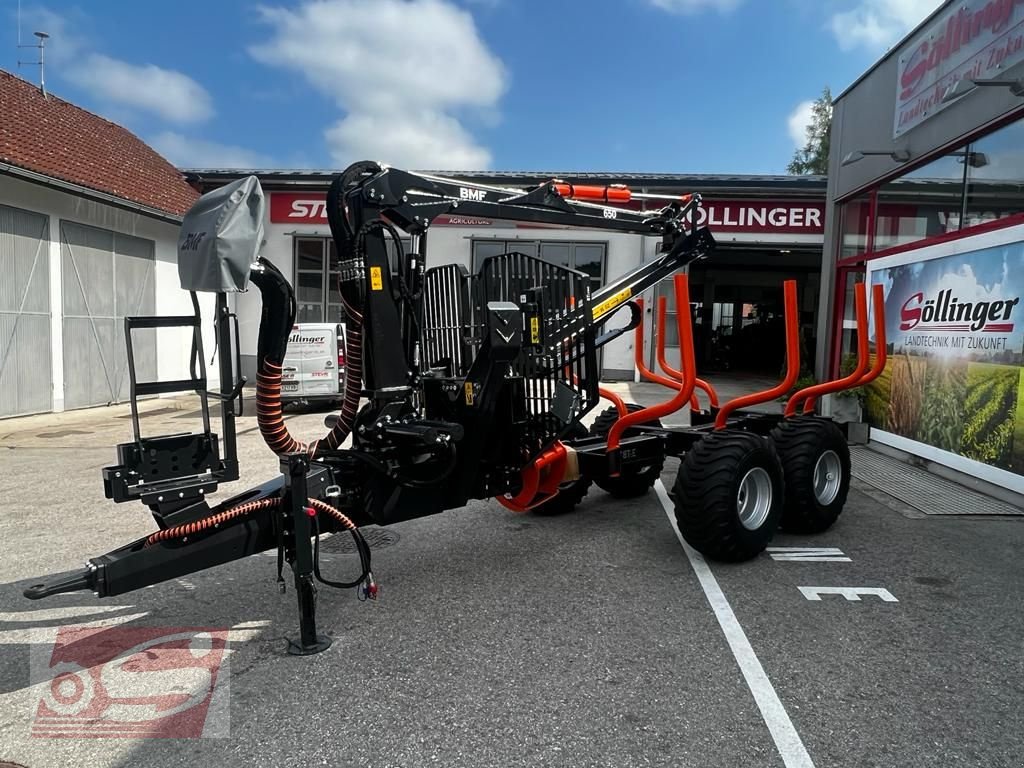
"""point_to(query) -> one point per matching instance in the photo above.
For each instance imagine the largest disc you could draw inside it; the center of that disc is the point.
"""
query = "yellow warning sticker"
(376, 279)
(608, 305)
(469, 393)
(535, 330)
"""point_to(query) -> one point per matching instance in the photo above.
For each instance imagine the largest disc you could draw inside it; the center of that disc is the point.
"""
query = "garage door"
(25, 380)
(106, 276)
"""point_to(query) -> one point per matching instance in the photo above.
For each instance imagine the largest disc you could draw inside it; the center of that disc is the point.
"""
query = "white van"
(314, 364)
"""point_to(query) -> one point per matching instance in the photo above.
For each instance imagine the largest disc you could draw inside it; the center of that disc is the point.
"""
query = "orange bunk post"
(618, 402)
(647, 373)
(881, 354)
(685, 388)
(792, 363)
(660, 338)
(860, 299)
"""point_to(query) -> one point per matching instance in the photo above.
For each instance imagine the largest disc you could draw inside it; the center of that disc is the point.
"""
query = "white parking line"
(787, 740)
(807, 554)
(850, 593)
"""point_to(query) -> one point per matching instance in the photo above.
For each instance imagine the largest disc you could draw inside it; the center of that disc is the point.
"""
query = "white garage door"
(25, 371)
(106, 276)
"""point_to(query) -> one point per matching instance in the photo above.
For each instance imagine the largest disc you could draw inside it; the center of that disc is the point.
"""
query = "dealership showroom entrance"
(737, 304)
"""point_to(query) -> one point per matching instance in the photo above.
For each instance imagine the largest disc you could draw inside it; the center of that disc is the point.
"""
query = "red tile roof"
(55, 138)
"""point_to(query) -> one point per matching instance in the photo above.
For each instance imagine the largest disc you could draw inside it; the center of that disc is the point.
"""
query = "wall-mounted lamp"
(973, 159)
(965, 85)
(897, 155)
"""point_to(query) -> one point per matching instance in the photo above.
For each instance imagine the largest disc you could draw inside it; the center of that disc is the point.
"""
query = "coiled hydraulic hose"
(279, 317)
(248, 507)
(276, 323)
(353, 380)
(203, 524)
(241, 510)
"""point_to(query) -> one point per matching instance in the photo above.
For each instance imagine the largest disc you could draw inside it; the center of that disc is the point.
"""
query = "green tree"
(812, 158)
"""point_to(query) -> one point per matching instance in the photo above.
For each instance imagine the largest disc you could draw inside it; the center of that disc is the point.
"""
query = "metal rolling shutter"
(25, 370)
(106, 276)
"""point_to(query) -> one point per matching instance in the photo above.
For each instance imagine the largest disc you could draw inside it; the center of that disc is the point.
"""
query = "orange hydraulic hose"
(689, 368)
(197, 526)
(269, 413)
(701, 384)
(187, 529)
(860, 297)
(878, 304)
(792, 363)
(337, 514)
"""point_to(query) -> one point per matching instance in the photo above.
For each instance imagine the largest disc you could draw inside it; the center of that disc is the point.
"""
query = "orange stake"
(792, 363)
(689, 368)
(638, 357)
(878, 303)
(701, 384)
(881, 352)
(860, 298)
(618, 402)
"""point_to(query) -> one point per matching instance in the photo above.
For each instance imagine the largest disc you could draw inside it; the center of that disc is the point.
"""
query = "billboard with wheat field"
(954, 380)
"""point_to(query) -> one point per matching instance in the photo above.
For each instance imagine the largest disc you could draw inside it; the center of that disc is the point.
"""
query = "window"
(973, 184)
(923, 203)
(856, 222)
(310, 279)
(995, 176)
(484, 249)
(666, 289)
(317, 294)
(583, 256)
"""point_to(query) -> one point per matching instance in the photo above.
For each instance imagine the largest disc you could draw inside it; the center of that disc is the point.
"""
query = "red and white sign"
(298, 207)
(761, 217)
(755, 216)
(976, 39)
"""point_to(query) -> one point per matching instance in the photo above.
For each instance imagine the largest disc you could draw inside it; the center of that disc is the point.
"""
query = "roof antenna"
(41, 45)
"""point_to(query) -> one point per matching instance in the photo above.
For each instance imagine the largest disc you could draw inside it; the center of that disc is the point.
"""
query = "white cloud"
(187, 152)
(798, 121)
(408, 139)
(166, 93)
(877, 24)
(695, 6)
(397, 69)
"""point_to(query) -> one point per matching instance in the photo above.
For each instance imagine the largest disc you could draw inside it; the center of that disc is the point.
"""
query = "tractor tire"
(816, 463)
(569, 494)
(729, 495)
(634, 481)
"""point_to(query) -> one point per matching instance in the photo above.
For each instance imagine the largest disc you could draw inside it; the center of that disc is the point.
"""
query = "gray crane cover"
(221, 237)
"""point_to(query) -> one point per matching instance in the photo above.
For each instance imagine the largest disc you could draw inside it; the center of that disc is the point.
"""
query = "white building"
(89, 219)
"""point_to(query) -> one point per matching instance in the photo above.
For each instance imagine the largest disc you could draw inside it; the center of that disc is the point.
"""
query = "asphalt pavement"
(507, 640)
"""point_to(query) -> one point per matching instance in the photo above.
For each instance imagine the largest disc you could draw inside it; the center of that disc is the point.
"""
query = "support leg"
(299, 553)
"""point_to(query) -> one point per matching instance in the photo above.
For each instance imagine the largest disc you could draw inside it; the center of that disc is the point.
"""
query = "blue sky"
(701, 86)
